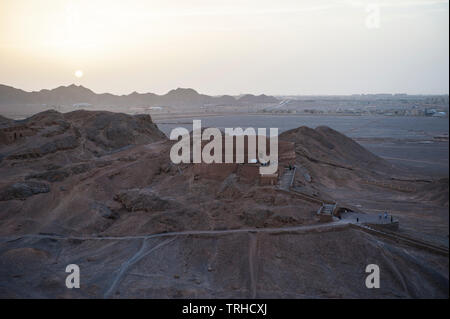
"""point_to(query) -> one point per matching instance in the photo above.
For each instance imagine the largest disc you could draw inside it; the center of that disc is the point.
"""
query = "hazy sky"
(227, 46)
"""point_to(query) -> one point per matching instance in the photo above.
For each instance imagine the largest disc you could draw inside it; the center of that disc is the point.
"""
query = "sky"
(283, 47)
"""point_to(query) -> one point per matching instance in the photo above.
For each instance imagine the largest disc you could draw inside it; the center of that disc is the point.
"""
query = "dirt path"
(252, 252)
(141, 253)
(184, 233)
(332, 226)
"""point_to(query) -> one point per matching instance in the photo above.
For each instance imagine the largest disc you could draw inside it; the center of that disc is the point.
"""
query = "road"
(182, 233)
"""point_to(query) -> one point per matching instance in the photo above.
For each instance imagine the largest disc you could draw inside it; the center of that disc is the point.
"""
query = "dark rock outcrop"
(22, 190)
(142, 200)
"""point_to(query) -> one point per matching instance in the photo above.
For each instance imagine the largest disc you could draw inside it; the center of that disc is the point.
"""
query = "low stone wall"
(11, 134)
(389, 226)
(268, 179)
(215, 171)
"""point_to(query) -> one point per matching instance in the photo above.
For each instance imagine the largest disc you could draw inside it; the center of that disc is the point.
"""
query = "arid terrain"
(224, 158)
(99, 190)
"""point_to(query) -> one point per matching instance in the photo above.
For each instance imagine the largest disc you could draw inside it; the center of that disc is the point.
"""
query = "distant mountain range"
(77, 94)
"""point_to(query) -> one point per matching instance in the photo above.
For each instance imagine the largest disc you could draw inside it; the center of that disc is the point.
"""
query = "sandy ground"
(99, 190)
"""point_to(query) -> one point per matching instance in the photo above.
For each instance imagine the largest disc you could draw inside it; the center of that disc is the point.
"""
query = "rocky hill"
(98, 189)
(324, 144)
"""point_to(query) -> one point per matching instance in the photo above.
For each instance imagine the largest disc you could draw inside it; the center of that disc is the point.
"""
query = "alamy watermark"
(373, 16)
(73, 280)
(212, 151)
(373, 279)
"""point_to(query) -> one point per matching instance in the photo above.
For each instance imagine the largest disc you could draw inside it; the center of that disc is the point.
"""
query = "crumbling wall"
(9, 135)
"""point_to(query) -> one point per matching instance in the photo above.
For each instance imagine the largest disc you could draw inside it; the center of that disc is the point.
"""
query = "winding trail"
(252, 251)
(169, 237)
(141, 253)
(331, 225)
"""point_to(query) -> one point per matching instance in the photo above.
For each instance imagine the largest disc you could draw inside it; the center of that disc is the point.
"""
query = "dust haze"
(91, 90)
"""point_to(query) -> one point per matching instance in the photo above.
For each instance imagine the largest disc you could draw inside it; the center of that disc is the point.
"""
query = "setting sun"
(224, 150)
(158, 45)
(79, 73)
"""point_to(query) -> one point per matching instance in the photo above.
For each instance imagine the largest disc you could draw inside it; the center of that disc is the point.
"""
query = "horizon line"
(230, 94)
